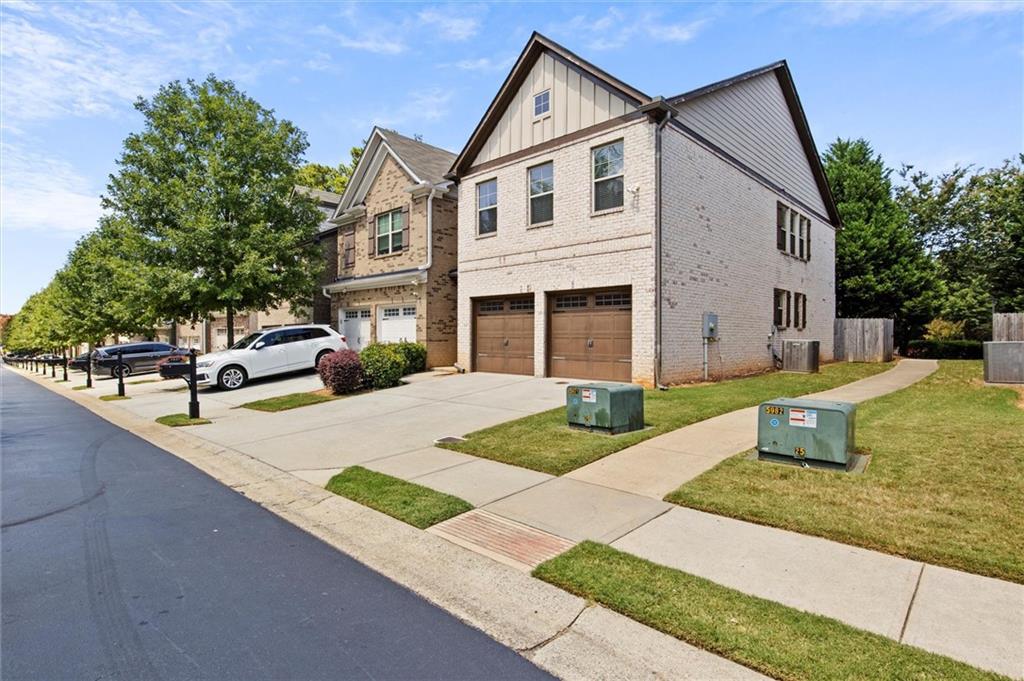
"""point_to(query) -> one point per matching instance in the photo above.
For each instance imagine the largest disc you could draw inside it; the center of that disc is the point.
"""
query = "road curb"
(538, 620)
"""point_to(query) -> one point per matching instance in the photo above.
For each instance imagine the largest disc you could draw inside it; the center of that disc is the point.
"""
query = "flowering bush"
(341, 371)
(384, 365)
(415, 356)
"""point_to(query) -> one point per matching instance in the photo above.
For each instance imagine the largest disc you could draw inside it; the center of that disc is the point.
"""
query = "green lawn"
(81, 387)
(774, 639)
(114, 398)
(545, 443)
(292, 401)
(945, 484)
(414, 504)
(178, 420)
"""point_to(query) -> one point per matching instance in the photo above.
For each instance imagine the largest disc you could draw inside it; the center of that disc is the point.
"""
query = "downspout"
(657, 250)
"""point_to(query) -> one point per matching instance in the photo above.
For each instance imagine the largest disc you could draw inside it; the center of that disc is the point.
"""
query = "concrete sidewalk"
(658, 466)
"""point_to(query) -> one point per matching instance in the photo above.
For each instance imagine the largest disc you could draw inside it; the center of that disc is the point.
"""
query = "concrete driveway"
(385, 429)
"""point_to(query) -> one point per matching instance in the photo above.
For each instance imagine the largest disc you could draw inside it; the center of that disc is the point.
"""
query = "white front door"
(396, 323)
(355, 327)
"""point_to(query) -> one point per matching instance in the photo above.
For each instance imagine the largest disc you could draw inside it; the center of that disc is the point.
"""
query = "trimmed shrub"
(941, 330)
(383, 365)
(944, 349)
(415, 356)
(341, 371)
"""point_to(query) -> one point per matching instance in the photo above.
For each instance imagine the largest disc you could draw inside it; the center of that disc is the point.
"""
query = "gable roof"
(538, 45)
(424, 163)
(785, 79)
(535, 47)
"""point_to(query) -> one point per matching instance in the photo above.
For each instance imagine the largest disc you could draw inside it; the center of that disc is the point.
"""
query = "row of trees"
(201, 217)
(939, 254)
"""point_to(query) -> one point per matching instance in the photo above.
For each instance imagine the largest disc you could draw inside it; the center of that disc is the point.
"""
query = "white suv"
(268, 352)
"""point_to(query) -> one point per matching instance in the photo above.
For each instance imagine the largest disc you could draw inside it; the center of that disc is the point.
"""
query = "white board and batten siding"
(750, 120)
(577, 102)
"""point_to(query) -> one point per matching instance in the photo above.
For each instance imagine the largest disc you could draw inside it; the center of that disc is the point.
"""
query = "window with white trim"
(390, 312)
(780, 316)
(487, 207)
(792, 232)
(607, 165)
(389, 232)
(408, 311)
(541, 103)
(542, 193)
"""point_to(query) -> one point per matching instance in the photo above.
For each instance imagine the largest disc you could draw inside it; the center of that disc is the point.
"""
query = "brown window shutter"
(807, 235)
(789, 307)
(405, 228)
(803, 313)
(780, 227)
(371, 230)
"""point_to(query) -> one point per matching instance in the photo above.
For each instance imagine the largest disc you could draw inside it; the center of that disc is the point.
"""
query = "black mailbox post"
(120, 373)
(193, 389)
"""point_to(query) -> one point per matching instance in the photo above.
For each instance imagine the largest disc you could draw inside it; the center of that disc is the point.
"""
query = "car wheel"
(126, 371)
(319, 356)
(232, 377)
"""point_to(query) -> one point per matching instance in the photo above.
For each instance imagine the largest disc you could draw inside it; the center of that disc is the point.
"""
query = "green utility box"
(605, 407)
(814, 430)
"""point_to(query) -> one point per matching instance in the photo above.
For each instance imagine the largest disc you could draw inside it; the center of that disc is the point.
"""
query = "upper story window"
(607, 176)
(541, 103)
(389, 232)
(792, 232)
(487, 207)
(542, 194)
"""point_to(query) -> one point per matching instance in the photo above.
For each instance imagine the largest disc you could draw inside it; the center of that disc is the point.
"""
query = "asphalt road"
(120, 561)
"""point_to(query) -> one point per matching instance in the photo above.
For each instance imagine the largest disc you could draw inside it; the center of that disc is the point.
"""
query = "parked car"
(268, 352)
(137, 358)
(80, 363)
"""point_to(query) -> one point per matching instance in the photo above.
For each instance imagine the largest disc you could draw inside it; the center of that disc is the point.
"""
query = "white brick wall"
(720, 256)
(577, 251)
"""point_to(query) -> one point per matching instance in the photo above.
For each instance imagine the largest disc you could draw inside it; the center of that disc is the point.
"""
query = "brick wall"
(720, 256)
(442, 294)
(577, 251)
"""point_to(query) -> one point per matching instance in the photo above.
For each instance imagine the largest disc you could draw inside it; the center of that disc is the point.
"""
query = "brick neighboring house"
(397, 237)
(598, 224)
(212, 334)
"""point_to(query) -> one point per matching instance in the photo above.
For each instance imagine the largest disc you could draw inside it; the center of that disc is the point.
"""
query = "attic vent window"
(541, 103)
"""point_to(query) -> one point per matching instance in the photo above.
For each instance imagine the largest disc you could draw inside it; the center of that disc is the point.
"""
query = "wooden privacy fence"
(863, 340)
(1008, 326)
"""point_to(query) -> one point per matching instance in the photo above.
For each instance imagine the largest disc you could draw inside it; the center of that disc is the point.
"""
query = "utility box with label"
(811, 430)
(610, 408)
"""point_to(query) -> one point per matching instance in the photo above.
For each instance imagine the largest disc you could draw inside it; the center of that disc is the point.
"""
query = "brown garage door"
(503, 335)
(591, 335)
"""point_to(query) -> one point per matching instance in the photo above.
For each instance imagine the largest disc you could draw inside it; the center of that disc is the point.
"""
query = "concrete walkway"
(658, 466)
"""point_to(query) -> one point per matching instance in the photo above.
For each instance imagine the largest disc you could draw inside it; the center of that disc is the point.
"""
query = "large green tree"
(973, 224)
(333, 179)
(208, 185)
(882, 267)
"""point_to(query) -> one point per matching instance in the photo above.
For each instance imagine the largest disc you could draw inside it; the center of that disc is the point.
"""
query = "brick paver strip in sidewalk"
(505, 540)
(716, 439)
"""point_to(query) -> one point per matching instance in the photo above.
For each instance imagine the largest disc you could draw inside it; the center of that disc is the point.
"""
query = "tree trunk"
(231, 326)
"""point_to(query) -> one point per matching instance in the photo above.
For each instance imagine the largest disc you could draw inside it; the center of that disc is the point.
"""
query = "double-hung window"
(790, 309)
(542, 194)
(389, 232)
(607, 176)
(780, 317)
(792, 232)
(487, 207)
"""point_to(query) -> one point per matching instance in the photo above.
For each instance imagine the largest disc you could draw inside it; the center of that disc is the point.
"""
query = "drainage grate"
(448, 440)
(504, 540)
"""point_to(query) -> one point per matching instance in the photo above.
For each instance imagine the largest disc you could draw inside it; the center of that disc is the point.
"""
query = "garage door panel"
(590, 335)
(503, 336)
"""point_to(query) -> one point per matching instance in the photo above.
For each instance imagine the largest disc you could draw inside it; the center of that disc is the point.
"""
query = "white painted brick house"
(598, 224)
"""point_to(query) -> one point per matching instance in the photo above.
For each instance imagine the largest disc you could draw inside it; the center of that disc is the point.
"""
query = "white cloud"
(38, 193)
(427, 105)
(618, 28)
(452, 24)
(842, 12)
(371, 39)
(484, 64)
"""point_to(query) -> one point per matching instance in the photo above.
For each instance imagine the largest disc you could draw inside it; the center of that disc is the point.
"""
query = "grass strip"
(292, 401)
(411, 503)
(771, 638)
(82, 387)
(114, 398)
(543, 442)
(178, 420)
(943, 486)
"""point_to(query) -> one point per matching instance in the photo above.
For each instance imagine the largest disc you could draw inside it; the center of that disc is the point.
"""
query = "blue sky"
(931, 84)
